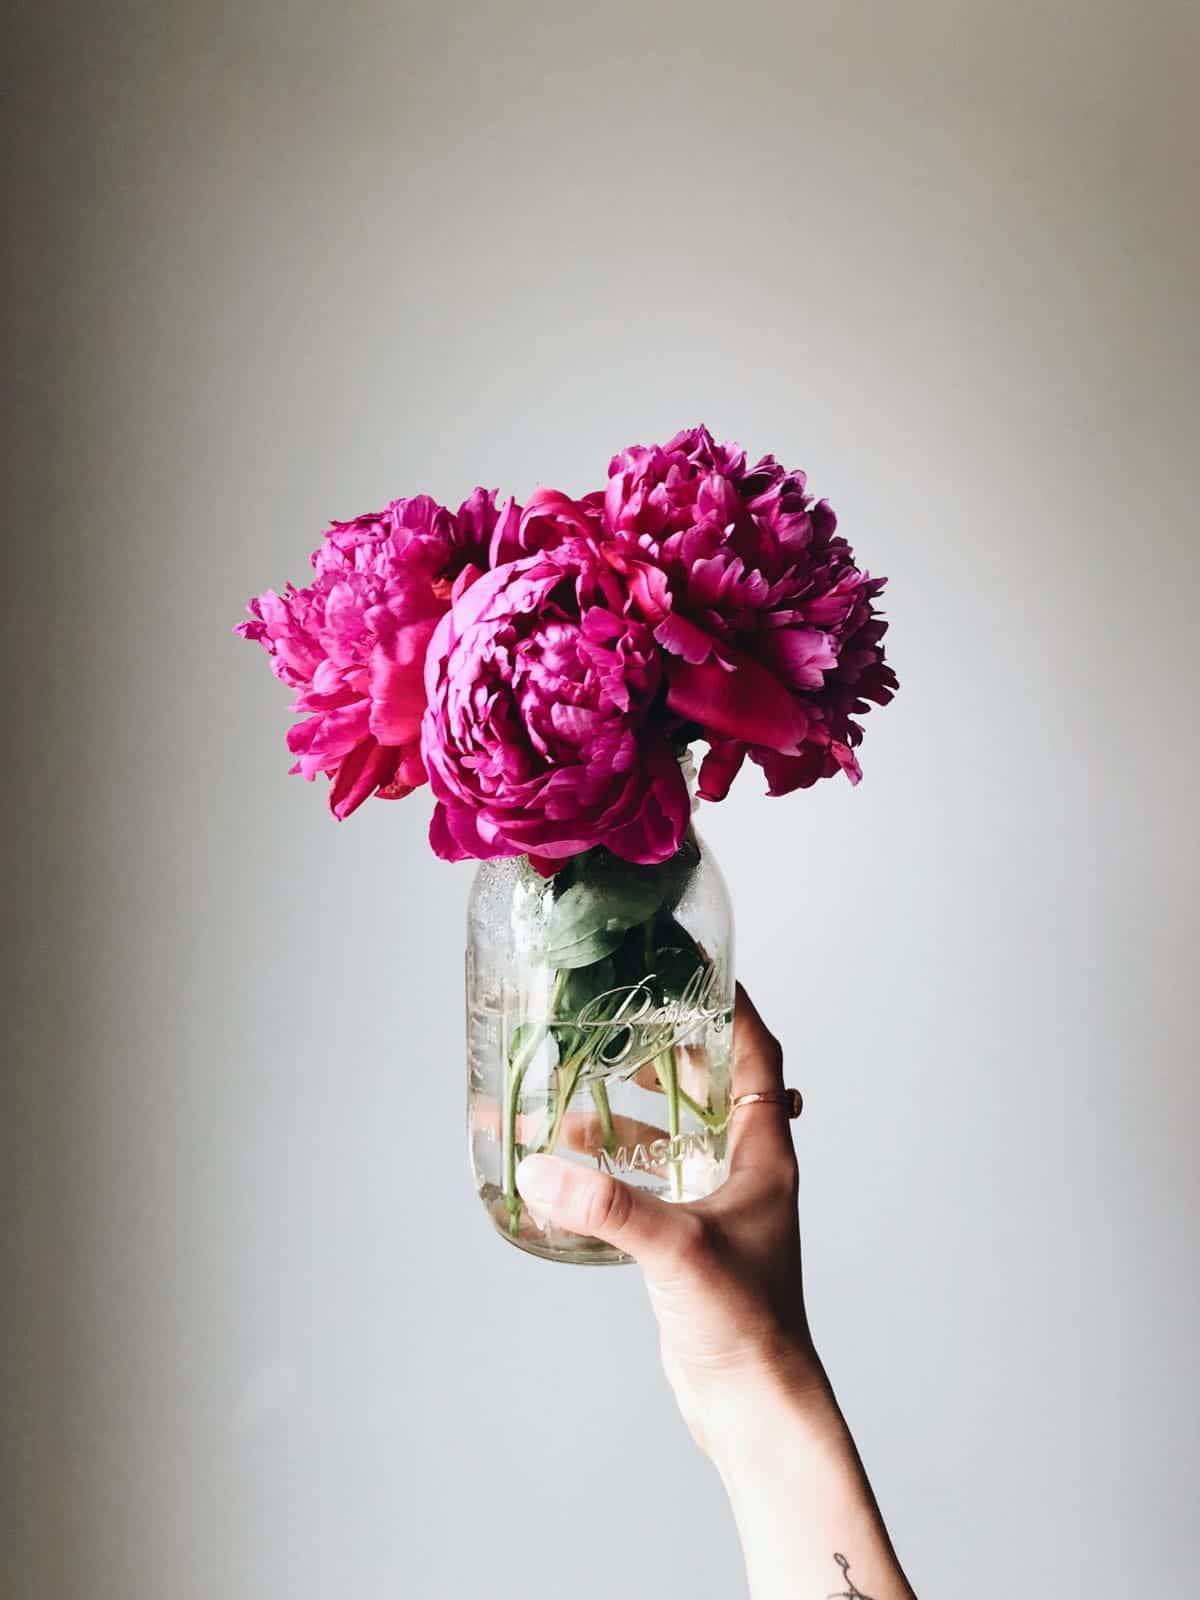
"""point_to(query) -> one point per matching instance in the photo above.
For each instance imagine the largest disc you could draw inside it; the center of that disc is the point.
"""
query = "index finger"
(759, 1135)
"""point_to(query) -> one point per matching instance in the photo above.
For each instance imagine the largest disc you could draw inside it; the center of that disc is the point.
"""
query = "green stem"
(668, 1076)
(513, 1078)
(512, 1095)
(604, 1111)
(710, 1119)
(566, 1079)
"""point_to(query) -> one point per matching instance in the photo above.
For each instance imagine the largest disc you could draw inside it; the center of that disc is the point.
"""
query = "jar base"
(585, 1255)
(552, 1244)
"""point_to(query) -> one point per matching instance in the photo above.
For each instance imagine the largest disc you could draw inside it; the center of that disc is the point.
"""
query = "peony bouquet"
(546, 668)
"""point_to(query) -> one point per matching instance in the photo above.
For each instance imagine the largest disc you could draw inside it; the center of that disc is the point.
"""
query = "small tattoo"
(851, 1591)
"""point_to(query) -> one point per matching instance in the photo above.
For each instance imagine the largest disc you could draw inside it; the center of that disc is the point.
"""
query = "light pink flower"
(352, 643)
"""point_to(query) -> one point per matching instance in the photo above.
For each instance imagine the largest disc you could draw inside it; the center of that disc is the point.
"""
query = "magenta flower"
(548, 518)
(693, 598)
(773, 645)
(352, 643)
(545, 731)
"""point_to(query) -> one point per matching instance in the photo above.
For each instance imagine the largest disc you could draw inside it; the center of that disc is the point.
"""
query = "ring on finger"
(791, 1099)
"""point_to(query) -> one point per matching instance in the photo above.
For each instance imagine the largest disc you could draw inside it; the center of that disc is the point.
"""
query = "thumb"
(597, 1205)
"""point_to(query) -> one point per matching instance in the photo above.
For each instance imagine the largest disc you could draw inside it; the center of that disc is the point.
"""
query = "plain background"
(275, 263)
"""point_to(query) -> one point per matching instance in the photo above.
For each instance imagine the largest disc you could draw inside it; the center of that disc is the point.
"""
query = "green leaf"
(582, 985)
(667, 950)
(589, 918)
(522, 1046)
(584, 952)
(676, 958)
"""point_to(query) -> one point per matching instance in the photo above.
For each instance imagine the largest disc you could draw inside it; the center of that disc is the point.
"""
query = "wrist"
(797, 1488)
(784, 1394)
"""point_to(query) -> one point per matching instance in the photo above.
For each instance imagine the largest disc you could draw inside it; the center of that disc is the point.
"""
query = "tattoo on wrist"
(851, 1591)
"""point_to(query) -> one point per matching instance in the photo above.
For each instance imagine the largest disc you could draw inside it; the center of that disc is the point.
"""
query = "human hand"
(723, 1273)
(725, 1281)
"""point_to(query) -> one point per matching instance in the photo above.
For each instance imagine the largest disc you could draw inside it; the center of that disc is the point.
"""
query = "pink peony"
(773, 643)
(352, 643)
(545, 731)
(549, 517)
(693, 598)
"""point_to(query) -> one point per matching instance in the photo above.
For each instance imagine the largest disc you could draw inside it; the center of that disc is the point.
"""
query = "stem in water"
(518, 1065)
(604, 1112)
(668, 1076)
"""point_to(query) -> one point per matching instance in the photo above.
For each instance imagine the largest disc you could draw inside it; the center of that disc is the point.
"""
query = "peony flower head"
(352, 643)
(772, 643)
(545, 663)
(545, 732)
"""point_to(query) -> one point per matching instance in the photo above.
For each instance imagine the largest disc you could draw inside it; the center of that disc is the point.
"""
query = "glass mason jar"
(599, 1027)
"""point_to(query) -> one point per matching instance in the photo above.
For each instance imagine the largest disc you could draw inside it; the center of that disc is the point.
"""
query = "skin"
(725, 1281)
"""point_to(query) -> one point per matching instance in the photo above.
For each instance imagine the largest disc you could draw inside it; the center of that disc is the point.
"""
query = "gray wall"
(275, 263)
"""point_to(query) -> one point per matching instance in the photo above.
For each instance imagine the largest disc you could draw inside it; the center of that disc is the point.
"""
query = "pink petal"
(332, 733)
(656, 833)
(742, 701)
(397, 687)
(800, 656)
(442, 841)
(720, 767)
(683, 638)
(358, 777)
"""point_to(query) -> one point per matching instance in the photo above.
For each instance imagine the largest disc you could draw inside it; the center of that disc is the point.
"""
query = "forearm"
(805, 1513)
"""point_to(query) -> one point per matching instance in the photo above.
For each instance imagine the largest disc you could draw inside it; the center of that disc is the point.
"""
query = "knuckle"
(788, 1179)
(608, 1207)
(778, 1176)
(762, 1051)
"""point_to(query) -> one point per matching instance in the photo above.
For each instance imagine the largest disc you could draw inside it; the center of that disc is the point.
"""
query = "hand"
(725, 1282)
(723, 1273)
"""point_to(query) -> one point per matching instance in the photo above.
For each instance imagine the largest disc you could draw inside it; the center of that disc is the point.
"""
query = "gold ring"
(791, 1098)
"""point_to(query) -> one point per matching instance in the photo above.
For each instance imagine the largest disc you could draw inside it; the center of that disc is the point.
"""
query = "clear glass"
(599, 1027)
